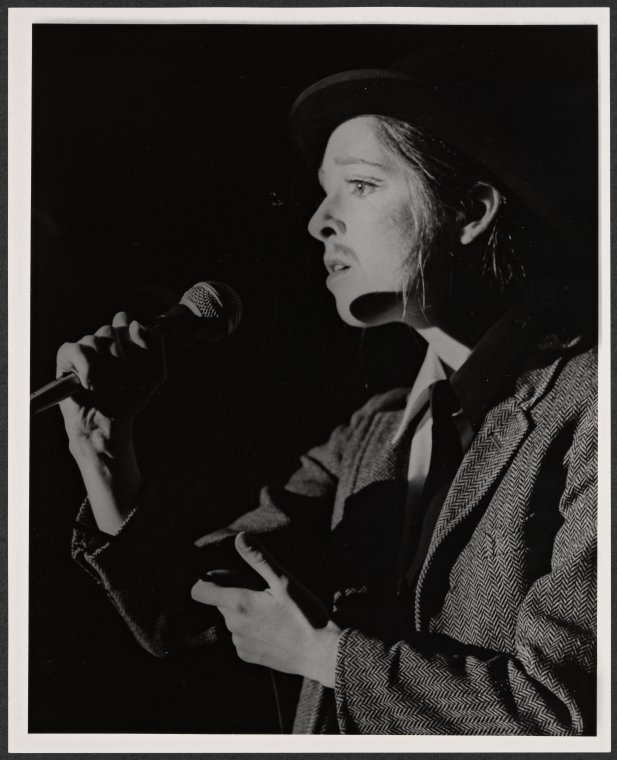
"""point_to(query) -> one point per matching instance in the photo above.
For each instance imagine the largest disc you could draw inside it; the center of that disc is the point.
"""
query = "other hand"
(284, 627)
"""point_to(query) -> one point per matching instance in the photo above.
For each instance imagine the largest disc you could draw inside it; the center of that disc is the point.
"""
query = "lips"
(338, 260)
(336, 266)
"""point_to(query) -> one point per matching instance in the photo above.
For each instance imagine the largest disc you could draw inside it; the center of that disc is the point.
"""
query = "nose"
(326, 222)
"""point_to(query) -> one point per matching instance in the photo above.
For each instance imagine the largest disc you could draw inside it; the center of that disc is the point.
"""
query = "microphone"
(212, 310)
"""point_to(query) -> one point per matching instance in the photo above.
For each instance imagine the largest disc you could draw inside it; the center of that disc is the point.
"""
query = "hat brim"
(552, 173)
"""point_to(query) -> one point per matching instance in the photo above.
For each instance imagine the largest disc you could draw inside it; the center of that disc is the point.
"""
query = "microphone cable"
(277, 701)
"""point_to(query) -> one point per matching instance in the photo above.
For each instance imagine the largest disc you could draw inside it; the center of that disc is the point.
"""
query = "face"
(366, 224)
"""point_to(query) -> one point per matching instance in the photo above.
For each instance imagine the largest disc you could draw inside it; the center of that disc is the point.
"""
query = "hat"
(528, 116)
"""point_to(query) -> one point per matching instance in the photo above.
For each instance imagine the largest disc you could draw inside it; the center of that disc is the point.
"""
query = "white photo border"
(19, 112)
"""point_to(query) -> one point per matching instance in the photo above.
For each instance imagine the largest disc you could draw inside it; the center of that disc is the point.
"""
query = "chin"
(370, 309)
(347, 317)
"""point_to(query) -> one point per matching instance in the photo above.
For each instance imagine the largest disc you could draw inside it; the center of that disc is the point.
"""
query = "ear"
(486, 202)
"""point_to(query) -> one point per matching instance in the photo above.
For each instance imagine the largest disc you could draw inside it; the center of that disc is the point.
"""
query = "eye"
(361, 187)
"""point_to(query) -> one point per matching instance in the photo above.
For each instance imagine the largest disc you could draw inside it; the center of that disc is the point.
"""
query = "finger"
(90, 342)
(113, 336)
(100, 345)
(126, 336)
(222, 577)
(121, 319)
(120, 324)
(254, 554)
(106, 331)
(120, 342)
(143, 336)
(77, 358)
(120, 334)
(219, 596)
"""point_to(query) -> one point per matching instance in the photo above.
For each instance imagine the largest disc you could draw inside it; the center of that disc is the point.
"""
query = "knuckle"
(135, 331)
(106, 331)
(240, 624)
(88, 341)
(243, 603)
(121, 318)
(247, 655)
(66, 347)
(196, 591)
(259, 557)
(65, 353)
(228, 624)
(116, 349)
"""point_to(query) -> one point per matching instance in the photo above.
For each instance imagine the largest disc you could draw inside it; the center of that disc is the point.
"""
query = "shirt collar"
(431, 371)
(491, 364)
(475, 375)
(452, 353)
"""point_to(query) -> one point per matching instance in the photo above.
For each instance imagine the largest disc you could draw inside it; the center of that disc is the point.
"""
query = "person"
(430, 569)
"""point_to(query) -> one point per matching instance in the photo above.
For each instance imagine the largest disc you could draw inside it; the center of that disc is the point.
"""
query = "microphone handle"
(52, 393)
(179, 320)
(63, 387)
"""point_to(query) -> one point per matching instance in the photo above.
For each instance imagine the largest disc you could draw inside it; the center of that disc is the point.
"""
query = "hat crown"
(469, 65)
(451, 65)
(527, 113)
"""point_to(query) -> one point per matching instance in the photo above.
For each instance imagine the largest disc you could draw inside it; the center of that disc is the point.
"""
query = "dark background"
(160, 158)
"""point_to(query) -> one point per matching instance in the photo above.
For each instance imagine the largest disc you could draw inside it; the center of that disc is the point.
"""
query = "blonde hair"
(440, 182)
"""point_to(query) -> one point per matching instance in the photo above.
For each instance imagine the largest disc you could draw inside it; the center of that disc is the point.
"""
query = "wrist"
(111, 475)
(107, 441)
(321, 659)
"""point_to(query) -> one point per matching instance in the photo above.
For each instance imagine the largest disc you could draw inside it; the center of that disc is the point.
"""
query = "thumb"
(254, 554)
(145, 337)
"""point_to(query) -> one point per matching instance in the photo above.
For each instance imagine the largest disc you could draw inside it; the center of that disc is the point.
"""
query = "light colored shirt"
(418, 411)
(474, 377)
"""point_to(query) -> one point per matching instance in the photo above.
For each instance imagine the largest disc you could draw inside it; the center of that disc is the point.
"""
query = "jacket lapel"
(501, 435)
(493, 448)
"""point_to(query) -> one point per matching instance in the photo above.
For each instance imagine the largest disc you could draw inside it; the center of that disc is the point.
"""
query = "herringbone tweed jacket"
(498, 634)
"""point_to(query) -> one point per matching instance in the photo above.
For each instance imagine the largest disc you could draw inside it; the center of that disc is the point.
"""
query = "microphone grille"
(213, 300)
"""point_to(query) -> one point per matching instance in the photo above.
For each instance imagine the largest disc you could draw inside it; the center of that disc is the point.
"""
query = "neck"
(459, 300)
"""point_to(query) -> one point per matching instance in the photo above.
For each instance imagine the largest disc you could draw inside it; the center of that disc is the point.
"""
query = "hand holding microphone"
(117, 370)
(211, 309)
(105, 380)
(114, 372)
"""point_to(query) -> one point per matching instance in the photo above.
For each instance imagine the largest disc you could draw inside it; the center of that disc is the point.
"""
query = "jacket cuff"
(117, 562)
(357, 688)
(87, 539)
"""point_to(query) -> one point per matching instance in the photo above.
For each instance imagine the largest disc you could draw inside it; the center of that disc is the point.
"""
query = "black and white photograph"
(313, 375)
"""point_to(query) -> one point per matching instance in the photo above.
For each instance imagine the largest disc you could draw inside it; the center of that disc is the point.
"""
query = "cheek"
(399, 233)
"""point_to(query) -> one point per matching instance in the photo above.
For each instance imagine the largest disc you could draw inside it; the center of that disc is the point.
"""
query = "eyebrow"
(348, 161)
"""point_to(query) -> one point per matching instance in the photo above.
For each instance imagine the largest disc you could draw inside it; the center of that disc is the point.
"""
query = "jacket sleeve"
(429, 685)
(148, 568)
